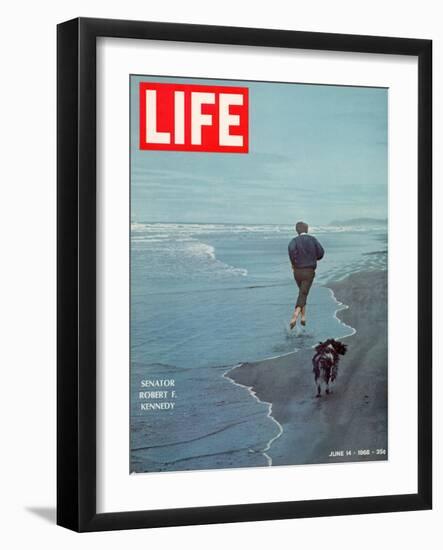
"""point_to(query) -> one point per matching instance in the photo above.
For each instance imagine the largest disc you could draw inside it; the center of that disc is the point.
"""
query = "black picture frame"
(76, 267)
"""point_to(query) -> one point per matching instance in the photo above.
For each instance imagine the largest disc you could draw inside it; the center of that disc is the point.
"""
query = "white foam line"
(274, 356)
(269, 415)
(341, 308)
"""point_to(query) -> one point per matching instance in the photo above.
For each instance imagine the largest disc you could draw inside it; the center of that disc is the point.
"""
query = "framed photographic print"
(244, 274)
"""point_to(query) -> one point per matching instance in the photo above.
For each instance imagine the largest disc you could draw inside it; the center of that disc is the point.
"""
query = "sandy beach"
(354, 417)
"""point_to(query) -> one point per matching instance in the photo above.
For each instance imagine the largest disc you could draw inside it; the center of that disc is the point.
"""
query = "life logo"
(188, 117)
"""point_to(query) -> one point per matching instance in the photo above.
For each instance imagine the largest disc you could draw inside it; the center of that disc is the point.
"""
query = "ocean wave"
(200, 249)
(184, 257)
(202, 253)
(191, 229)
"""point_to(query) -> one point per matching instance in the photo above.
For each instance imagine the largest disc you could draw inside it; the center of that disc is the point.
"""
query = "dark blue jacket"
(304, 251)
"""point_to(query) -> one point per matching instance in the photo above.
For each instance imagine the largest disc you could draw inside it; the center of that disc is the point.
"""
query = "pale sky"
(317, 153)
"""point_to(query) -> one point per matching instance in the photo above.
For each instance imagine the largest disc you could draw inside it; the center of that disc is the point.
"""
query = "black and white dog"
(325, 363)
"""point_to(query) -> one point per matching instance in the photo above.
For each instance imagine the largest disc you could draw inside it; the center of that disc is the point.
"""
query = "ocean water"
(205, 297)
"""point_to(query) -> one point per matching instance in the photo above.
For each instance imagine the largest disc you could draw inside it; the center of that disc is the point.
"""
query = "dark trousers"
(304, 277)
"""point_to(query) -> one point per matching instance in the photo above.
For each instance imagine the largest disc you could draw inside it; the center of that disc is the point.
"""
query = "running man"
(304, 251)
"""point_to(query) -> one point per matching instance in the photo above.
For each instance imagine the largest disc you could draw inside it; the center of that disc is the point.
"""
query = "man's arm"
(319, 250)
(291, 256)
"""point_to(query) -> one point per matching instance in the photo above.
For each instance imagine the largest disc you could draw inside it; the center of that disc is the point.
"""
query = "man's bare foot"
(303, 316)
(295, 315)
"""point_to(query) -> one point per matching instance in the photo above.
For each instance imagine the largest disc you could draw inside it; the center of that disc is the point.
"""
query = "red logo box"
(188, 117)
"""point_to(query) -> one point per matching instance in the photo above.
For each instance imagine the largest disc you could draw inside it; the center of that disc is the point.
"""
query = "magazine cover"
(258, 271)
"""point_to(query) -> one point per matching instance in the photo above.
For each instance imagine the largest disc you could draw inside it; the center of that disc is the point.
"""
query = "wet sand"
(354, 417)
